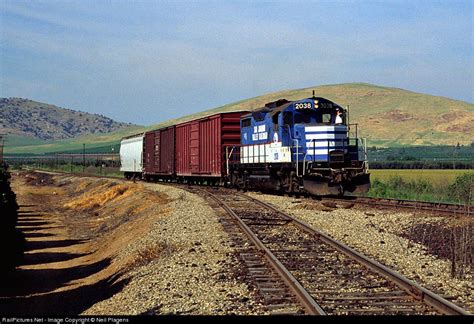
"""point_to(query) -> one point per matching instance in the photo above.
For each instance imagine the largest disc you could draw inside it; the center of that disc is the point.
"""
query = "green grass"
(370, 106)
(456, 186)
(75, 144)
(17, 141)
(435, 177)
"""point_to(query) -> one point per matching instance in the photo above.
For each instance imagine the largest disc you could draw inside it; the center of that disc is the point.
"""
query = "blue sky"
(149, 61)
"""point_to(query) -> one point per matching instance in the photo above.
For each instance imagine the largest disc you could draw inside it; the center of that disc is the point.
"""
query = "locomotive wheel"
(236, 180)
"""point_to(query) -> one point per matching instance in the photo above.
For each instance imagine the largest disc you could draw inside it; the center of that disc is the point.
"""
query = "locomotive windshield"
(305, 117)
(314, 116)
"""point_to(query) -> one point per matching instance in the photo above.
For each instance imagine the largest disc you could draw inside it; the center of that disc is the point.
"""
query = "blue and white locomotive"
(300, 146)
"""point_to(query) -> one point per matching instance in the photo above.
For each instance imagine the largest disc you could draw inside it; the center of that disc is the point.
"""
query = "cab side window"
(275, 121)
(327, 118)
(246, 122)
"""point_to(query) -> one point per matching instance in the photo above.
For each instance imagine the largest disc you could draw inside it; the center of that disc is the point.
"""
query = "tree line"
(421, 164)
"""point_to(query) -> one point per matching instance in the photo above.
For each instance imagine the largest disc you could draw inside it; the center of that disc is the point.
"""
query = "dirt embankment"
(74, 230)
(93, 245)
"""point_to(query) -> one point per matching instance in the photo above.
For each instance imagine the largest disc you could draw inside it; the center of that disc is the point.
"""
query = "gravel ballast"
(184, 266)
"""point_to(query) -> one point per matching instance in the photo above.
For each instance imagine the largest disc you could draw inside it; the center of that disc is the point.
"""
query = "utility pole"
(83, 157)
(2, 141)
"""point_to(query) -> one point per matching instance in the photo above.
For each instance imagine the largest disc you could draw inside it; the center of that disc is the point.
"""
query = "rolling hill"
(30, 122)
(386, 117)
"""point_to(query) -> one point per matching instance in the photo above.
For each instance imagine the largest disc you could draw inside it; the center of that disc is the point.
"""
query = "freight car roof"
(132, 136)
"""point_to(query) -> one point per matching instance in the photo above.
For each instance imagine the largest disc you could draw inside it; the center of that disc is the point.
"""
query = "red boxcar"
(200, 144)
(158, 152)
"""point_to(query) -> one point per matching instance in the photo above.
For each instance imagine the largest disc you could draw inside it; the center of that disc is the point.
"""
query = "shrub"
(398, 188)
(463, 188)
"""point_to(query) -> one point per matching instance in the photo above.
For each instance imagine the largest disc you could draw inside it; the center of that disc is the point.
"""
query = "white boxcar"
(131, 154)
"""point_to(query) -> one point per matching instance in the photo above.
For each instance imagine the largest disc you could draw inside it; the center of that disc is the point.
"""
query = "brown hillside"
(23, 117)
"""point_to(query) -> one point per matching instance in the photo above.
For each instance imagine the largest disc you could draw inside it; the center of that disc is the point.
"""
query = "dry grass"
(98, 198)
(82, 185)
(149, 254)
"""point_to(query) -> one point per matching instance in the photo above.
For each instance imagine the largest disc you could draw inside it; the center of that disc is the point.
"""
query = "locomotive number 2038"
(303, 105)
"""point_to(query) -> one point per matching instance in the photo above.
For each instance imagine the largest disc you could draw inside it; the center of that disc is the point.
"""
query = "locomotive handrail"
(228, 157)
(314, 148)
(304, 163)
(234, 156)
(366, 158)
(297, 145)
(264, 153)
(364, 150)
(349, 129)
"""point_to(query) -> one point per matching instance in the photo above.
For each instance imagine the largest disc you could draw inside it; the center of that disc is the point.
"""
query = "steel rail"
(311, 306)
(445, 208)
(437, 302)
(421, 205)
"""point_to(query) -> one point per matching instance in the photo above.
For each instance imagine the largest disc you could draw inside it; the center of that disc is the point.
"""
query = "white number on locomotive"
(303, 105)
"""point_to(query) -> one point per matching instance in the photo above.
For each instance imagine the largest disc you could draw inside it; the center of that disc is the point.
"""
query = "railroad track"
(299, 270)
(277, 289)
(323, 275)
(414, 205)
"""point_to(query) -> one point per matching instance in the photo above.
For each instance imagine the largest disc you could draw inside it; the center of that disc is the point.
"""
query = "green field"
(435, 177)
(455, 186)
(104, 141)
(17, 141)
